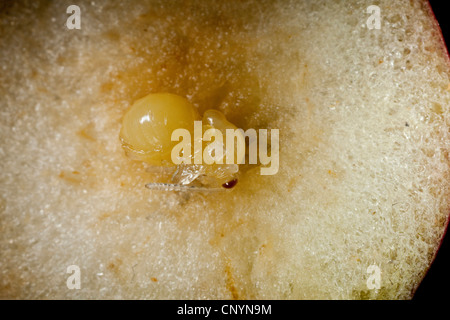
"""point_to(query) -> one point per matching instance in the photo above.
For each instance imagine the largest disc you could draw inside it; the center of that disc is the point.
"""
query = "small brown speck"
(230, 184)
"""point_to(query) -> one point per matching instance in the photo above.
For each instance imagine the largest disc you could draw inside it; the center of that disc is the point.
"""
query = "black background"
(436, 284)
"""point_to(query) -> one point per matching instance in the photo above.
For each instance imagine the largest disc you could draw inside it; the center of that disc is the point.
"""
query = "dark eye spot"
(230, 184)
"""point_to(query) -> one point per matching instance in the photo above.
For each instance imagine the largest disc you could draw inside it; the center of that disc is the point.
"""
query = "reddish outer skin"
(430, 9)
(444, 45)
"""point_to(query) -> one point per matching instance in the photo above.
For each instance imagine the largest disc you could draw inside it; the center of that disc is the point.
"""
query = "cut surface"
(364, 166)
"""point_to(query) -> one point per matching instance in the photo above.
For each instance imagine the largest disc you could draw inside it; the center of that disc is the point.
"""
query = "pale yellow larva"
(146, 136)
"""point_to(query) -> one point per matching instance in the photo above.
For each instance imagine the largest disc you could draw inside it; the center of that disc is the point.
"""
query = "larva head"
(148, 125)
(214, 119)
(223, 175)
